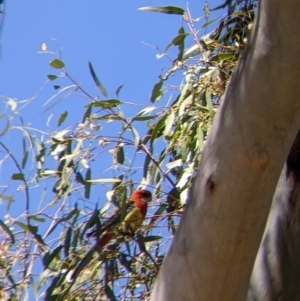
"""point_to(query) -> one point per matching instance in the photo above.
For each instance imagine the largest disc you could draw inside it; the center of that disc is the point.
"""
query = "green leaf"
(84, 262)
(69, 215)
(62, 118)
(209, 103)
(157, 129)
(63, 219)
(107, 104)
(110, 294)
(140, 116)
(47, 259)
(37, 219)
(22, 225)
(8, 232)
(24, 159)
(120, 154)
(18, 176)
(39, 239)
(7, 198)
(146, 166)
(79, 178)
(108, 117)
(143, 118)
(151, 238)
(32, 229)
(220, 56)
(172, 10)
(7, 126)
(49, 294)
(119, 90)
(87, 113)
(178, 41)
(97, 81)
(156, 91)
(169, 123)
(57, 64)
(52, 77)
(67, 241)
(209, 22)
(136, 135)
(87, 186)
(173, 200)
(92, 221)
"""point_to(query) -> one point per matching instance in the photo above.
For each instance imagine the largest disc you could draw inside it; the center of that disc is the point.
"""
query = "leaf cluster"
(112, 152)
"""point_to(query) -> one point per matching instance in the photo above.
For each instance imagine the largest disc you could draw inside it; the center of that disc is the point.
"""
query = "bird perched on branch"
(115, 226)
(133, 218)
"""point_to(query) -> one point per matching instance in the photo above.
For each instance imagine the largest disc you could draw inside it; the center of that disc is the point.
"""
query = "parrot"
(135, 215)
(114, 226)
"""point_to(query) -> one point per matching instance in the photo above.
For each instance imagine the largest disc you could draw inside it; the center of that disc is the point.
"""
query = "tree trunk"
(215, 246)
(276, 273)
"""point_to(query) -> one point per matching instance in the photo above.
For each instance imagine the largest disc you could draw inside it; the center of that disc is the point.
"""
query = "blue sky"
(109, 34)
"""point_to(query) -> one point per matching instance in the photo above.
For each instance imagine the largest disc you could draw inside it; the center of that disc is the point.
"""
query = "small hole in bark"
(210, 185)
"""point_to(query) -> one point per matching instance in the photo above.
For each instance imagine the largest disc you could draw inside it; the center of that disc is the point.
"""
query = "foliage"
(159, 148)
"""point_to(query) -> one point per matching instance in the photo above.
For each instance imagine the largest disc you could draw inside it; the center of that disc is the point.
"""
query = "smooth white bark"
(214, 249)
(276, 273)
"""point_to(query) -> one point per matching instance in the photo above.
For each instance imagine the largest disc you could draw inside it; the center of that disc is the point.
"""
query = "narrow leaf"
(36, 218)
(79, 178)
(24, 159)
(87, 185)
(120, 154)
(156, 92)
(67, 241)
(144, 118)
(97, 81)
(7, 230)
(119, 90)
(209, 22)
(172, 10)
(110, 294)
(84, 262)
(209, 103)
(87, 113)
(92, 221)
(146, 166)
(178, 40)
(107, 104)
(62, 118)
(169, 123)
(151, 238)
(136, 136)
(47, 259)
